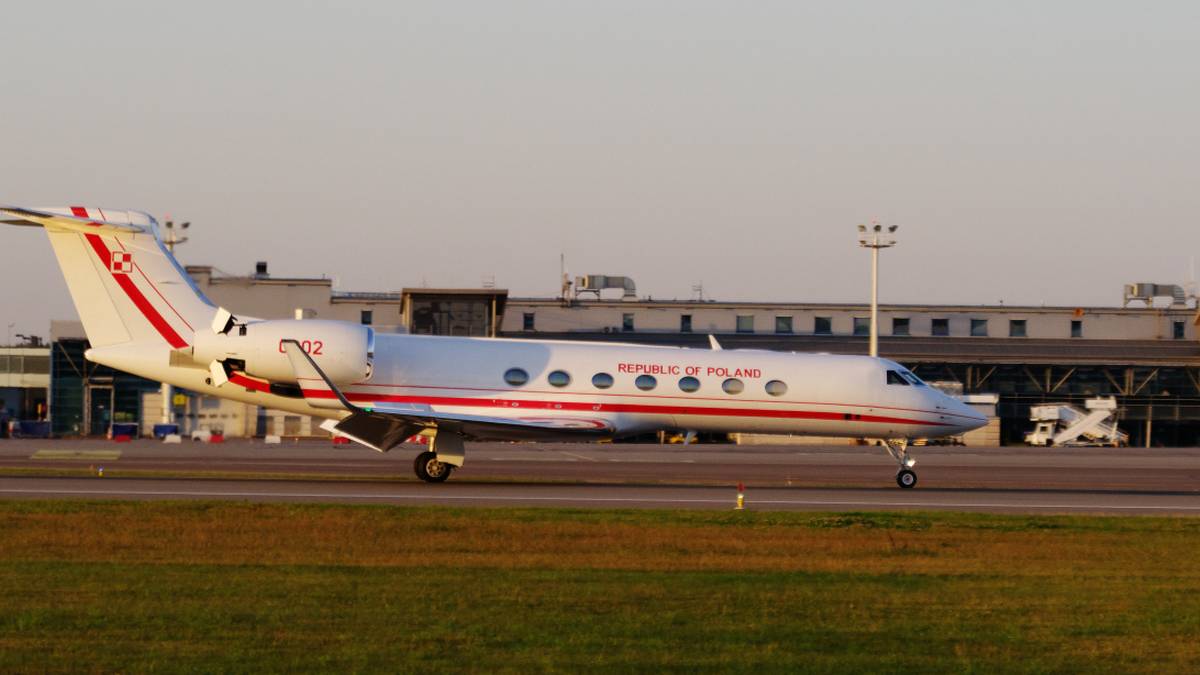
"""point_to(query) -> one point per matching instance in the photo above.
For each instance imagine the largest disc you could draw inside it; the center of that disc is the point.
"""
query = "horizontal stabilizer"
(14, 215)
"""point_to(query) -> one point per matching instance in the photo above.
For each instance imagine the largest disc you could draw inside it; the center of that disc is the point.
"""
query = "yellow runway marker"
(108, 455)
(578, 456)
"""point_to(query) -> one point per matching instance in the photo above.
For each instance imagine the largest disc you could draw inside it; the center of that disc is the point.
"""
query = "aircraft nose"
(971, 418)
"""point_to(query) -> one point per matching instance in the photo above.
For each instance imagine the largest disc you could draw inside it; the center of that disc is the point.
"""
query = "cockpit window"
(894, 377)
(913, 379)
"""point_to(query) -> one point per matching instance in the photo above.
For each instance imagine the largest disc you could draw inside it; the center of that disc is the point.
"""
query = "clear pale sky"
(1030, 151)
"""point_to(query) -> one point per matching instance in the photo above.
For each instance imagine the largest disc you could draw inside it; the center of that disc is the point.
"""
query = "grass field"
(254, 588)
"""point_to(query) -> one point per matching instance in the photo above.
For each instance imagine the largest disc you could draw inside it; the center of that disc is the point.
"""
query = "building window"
(559, 378)
(1076, 328)
(733, 386)
(862, 325)
(745, 323)
(979, 327)
(685, 323)
(645, 382)
(627, 323)
(602, 380)
(366, 317)
(1016, 328)
(689, 384)
(776, 388)
(823, 325)
(527, 320)
(783, 325)
(900, 327)
(940, 327)
(516, 377)
(1177, 330)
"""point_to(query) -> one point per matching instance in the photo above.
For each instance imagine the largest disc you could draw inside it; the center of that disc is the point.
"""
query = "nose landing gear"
(898, 449)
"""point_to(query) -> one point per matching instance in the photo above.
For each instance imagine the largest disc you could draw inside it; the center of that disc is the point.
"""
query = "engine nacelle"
(342, 350)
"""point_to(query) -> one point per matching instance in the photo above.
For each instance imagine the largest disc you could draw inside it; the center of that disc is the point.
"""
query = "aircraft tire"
(906, 478)
(430, 470)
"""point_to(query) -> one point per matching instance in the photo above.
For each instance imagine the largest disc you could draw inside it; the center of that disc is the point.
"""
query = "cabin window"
(894, 377)
(689, 384)
(559, 378)
(602, 380)
(516, 376)
(645, 382)
(776, 388)
(733, 386)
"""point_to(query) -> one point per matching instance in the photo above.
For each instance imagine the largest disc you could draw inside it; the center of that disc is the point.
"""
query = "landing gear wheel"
(906, 478)
(429, 469)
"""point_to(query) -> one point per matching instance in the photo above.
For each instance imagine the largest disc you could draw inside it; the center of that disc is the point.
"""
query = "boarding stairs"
(1060, 424)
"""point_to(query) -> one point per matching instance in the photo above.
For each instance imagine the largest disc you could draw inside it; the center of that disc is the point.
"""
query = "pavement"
(794, 477)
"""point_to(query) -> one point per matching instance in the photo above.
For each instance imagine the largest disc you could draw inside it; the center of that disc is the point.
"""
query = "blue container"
(124, 429)
(32, 429)
(162, 430)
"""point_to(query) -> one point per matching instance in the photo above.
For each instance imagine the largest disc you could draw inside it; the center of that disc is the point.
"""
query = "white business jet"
(143, 315)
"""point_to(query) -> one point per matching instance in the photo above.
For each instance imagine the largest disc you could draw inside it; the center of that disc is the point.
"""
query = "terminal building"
(1145, 353)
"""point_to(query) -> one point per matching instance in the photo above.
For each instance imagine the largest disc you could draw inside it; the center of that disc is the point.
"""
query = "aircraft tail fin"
(125, 285)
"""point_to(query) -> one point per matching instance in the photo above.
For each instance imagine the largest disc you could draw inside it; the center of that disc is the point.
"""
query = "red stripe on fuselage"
(250, 383)
(513, 404)
(131, 290)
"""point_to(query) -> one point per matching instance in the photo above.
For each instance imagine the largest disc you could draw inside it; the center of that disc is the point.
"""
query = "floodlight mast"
(170, 239)
(875, 238)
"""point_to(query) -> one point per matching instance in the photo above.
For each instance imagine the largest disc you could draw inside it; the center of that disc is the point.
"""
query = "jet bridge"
(1063, 424)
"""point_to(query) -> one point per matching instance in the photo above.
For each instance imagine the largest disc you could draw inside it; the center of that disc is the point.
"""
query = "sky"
(1031, 152)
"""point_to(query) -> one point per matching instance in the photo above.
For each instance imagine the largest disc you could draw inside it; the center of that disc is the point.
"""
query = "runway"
(837, 478)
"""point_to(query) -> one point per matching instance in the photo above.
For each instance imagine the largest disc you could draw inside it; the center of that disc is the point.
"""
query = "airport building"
(1145, 354)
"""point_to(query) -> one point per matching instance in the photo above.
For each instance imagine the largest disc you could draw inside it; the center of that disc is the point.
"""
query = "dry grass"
(242, 534)
(219, 586)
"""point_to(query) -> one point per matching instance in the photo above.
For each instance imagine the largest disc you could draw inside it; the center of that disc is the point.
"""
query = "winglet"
(316, 386)
(712, 342)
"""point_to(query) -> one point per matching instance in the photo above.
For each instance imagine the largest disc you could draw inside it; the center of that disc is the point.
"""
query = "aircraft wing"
(385, 426)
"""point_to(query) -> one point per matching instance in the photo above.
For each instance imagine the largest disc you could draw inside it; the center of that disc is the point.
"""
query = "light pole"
(171, 238)
(875, 238)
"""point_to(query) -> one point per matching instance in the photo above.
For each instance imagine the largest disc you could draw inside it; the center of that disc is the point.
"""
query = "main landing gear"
(898, 449)
(429, 469)
(445, 454)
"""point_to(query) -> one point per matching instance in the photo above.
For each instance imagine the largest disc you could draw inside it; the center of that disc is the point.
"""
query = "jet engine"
(344, 351)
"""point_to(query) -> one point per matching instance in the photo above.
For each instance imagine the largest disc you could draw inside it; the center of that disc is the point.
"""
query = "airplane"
(143, 315)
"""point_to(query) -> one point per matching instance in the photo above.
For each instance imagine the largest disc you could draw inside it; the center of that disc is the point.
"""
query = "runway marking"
(578, 456)
(600, 500)
(638, 460)
(110, 455)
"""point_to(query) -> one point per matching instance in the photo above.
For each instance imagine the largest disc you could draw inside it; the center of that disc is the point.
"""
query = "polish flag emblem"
(122, 263)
